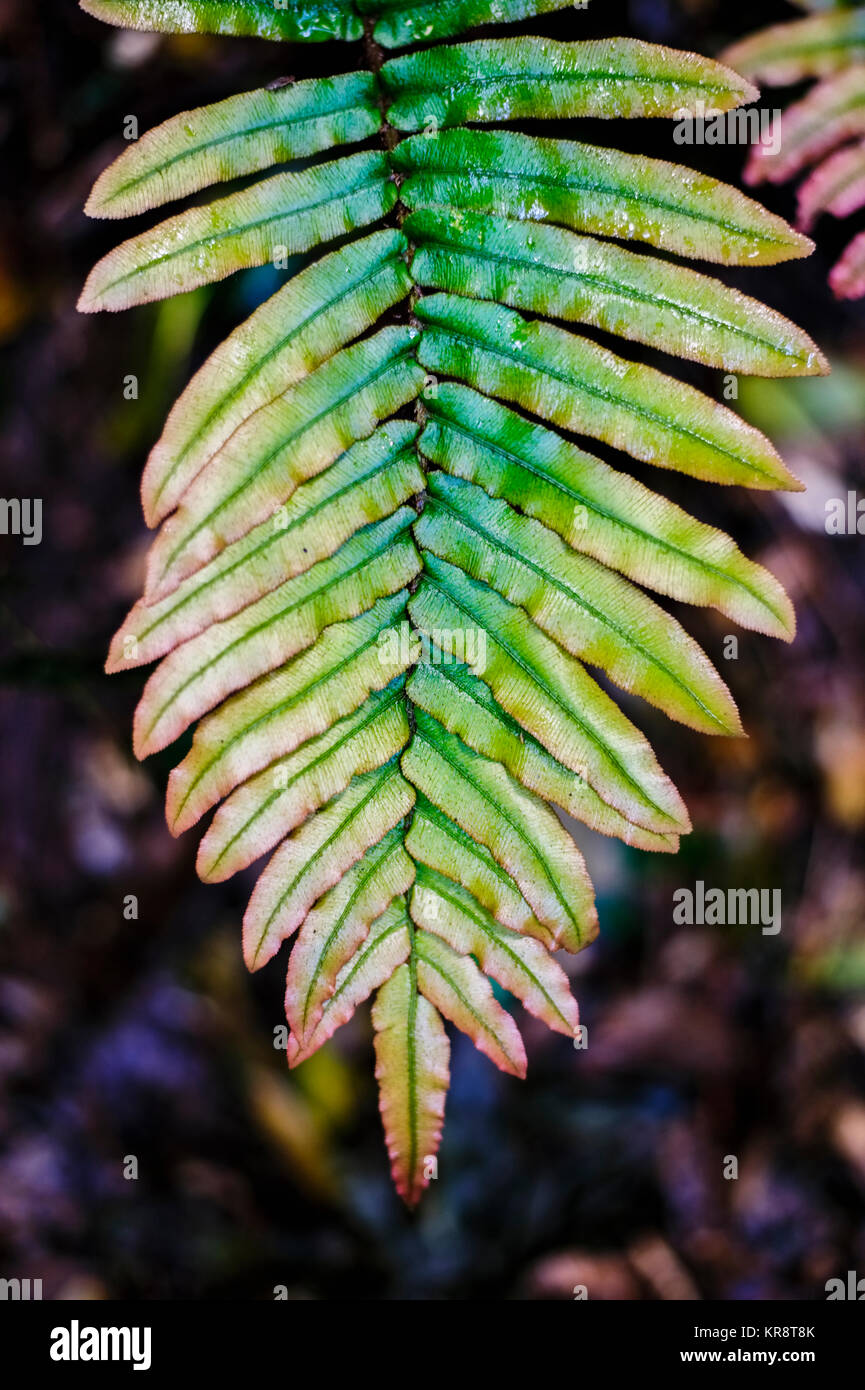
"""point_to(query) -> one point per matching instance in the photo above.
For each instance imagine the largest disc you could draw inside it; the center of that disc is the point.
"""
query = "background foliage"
(146, 1037)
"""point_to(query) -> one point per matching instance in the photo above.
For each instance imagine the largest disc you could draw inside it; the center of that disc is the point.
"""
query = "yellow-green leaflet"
(551, 695)
(318, 856)
(590, 611)
(463, 994)
(413, 1073)
(387, 946)
(516, 961)
(338, 926)
(598, 510)
(401, 22)
(272, 219)
(390, 593)
(261, 812)
(434, 840)
(238, 136)
(280, 712)
(268, 633)
(318, 311)
(287, 442)
(369, 481)
(467, 707)
(517, 829)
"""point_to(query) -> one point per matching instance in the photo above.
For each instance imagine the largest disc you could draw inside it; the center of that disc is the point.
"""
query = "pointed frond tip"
(390, 593)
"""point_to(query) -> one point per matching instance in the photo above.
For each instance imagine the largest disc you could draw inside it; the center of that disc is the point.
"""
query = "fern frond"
(847, 277)
(812, 132)
(384, 629)
(813, 47)
(836, 186)
(832, 112)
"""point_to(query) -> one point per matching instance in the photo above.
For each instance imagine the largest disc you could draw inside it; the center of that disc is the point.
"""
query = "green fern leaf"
(312, 21)
(518, 963)
(814, 47)
(386, 946)
(594, 190)
(323, 308)
(383, 579)
(598, 510)
(573, 383)
(547, 270)
(294, 211)
(283, 444)
(586, 608)
(235, 137)
(505, 79)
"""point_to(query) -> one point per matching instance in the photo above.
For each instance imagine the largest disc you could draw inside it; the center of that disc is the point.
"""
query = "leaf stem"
(375, 57)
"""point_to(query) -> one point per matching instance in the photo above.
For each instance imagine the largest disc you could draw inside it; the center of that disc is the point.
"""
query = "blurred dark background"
(144, 1038)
